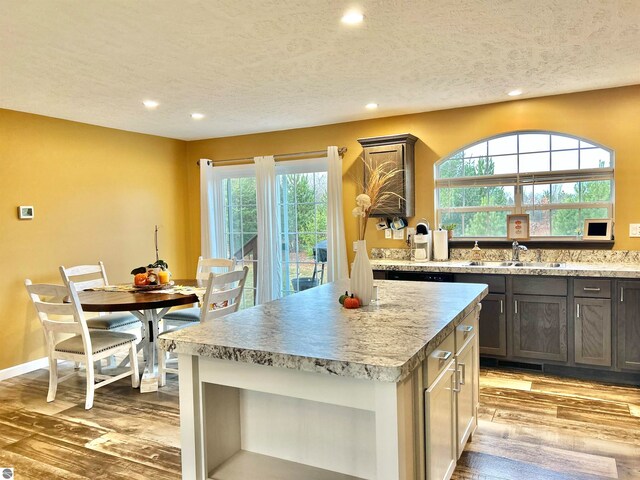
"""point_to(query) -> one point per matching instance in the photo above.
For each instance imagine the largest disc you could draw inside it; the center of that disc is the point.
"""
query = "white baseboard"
(24, 368)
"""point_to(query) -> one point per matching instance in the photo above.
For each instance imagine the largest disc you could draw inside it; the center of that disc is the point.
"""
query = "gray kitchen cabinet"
(493, 316)
(593, 331)
(540, 327)
(628, 321)
(592, 322)
(396, 152)
(493, 325)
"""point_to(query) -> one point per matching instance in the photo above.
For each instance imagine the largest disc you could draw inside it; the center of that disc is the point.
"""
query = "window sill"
(534, 243)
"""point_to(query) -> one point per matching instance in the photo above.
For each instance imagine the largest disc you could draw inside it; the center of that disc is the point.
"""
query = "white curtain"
(211, 212)
(269, 278)
(337, 266)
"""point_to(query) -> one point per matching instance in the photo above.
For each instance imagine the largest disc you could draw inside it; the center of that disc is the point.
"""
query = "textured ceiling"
(262, 65)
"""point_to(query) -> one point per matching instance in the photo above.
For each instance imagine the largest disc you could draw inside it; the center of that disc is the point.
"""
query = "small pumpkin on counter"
(351, 302)
(343, 297)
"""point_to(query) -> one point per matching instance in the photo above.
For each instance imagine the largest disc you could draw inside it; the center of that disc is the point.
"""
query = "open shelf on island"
(244, 464)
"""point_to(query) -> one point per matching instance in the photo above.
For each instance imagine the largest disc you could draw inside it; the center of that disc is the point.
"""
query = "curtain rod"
(278, 157)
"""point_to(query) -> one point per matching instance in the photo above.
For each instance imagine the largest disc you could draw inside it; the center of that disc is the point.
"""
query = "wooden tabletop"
(101, 301)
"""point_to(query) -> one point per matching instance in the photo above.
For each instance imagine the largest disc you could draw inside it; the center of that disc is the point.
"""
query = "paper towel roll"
(440, 245)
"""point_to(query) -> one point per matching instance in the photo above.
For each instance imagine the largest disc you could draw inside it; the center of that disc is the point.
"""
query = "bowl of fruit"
(153, 276)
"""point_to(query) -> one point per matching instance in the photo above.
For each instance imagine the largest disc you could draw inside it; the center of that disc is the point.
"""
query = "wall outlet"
(634, 229)
(387, 233)
(398, 234)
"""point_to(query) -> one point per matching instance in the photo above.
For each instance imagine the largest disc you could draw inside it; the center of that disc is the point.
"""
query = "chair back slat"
(215, 265)
(223, 294)
(47, 301)
(80, 273)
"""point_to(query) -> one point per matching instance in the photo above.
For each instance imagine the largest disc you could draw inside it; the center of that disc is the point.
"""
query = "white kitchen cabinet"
(467, 394)
(439, 400)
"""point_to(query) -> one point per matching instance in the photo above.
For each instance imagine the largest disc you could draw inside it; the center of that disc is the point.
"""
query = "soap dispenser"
(476, 253)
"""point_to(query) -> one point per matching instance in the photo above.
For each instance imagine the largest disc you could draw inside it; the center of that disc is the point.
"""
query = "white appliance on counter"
(422, 243)
(441, 245)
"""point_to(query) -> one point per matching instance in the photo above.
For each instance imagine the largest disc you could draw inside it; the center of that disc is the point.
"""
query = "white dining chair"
(69, 338)
(206, 266)
(222, 296)
(92, 276)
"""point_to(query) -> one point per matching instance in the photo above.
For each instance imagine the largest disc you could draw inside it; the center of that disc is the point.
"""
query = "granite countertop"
(606, 270)
(311, 331)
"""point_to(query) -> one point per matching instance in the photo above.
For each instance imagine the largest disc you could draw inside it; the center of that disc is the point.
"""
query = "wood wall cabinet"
(628, 319)
(397, 151)
(592, 321)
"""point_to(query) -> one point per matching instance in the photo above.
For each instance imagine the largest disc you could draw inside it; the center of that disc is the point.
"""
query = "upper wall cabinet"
(396, 152)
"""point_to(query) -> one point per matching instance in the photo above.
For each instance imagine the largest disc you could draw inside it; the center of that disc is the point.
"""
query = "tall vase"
(362, 274)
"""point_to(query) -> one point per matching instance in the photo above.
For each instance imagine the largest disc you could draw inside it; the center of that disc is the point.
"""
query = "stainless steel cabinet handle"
(463, 373)
(622, 294)
(443, 356)
(577, 310)
(591, 289)
(501, 307)
(456, 381)
(466, 329)
(516, 305)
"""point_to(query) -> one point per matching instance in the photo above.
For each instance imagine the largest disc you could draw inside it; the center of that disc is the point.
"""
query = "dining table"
(150, 306)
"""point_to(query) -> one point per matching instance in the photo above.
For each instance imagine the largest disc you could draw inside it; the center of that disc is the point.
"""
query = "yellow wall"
(97, 194)
(609, 117)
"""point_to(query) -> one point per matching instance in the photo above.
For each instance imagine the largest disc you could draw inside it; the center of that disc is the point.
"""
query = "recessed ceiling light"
(197, 116)
(371, 106)
(515, 93)
(352, 18)
(150, 104)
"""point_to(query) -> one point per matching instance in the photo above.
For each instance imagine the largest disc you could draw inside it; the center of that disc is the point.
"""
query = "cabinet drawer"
(540, 286)
(465, 330)
(592, 288)
(496, 283)
(439, 359)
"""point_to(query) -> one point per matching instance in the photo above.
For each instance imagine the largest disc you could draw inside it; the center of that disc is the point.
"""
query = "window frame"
(519, 180)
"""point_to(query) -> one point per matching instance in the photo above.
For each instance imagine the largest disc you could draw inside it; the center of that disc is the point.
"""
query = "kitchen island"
(303, 388)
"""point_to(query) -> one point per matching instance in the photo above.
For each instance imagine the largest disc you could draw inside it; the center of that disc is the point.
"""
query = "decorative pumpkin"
(351, 302)
(343, 297)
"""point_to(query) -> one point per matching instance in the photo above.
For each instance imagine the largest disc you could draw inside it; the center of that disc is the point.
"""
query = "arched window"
(559, 180)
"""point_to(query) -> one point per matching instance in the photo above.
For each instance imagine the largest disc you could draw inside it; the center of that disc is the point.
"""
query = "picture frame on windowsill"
(518, 226)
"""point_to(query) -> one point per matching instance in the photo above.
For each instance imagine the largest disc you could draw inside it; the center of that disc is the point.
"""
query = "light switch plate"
(387, 233)
(634, 229)
(398, 234)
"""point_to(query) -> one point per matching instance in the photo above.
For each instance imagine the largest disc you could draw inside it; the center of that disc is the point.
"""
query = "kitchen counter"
(606, 270)
(311, 331)
(304, 388)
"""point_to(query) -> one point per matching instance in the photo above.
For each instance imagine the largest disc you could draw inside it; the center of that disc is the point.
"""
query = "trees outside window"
(559, 180)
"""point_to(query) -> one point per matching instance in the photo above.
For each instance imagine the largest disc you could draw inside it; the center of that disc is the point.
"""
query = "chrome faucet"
(516, 248)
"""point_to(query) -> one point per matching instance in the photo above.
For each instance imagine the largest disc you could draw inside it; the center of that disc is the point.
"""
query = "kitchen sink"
(517, 264)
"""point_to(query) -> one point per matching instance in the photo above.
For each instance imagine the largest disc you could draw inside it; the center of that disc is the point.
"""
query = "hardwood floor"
(532, 427)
